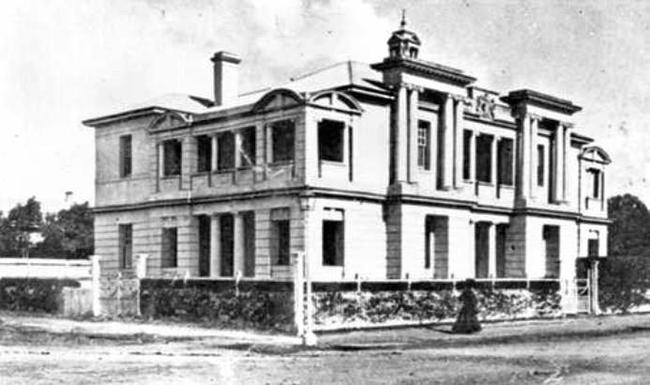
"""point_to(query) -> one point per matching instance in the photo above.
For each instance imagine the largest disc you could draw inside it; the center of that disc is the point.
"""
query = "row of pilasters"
(527, 159)
(405, 167)
(216, 246)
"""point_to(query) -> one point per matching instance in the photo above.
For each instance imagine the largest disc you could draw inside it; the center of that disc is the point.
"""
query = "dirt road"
(623, 358)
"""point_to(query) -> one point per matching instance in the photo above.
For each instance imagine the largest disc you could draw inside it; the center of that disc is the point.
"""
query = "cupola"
(403, 44)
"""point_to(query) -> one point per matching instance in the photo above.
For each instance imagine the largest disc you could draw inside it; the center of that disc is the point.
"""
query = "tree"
(16, 227)
(68, 234)
(629, 233)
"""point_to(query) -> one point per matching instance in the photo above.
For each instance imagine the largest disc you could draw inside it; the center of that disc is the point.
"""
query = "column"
(533, 155)
(215, 246)
(159, 165)
(448, 140)
(401, 138)
(188, 162)
(558, 170)
(565, 146)
(215, 150)
(493, 161)
(492, 250)
(472, 157)
(595, 306)
(237, 154)
(458, 143)
(524, 158)
(238, 252)
(412, 134)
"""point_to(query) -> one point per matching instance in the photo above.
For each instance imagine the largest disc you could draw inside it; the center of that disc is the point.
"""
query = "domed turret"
(403, 44)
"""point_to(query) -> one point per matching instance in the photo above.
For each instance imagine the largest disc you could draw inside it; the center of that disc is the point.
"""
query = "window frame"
(126, 155)
(541, 165)
(329, 155)
(168, 170)
(203, 153)
(338, 239)
(424, 144)
(123, 257)
(289, 147)
(247, 148)
(505, 159)
(169, 244)
(482, 160)
(281, 247)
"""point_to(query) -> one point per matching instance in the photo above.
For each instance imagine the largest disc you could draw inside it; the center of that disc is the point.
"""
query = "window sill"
(332, 163)
(281, 163)
(507, 186)
(166, 177)
(486, 184)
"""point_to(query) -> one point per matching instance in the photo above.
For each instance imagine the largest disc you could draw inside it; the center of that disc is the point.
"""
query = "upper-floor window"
(126, 160)
(204, 153)
(169, 247)
(467, 153)
(484, 158)
(330, 140)
(504, 159)
(424, 144)
(172, 151)
(282, 139)
(540, 164)
(247, 147)
(226, 151)
(595, 176)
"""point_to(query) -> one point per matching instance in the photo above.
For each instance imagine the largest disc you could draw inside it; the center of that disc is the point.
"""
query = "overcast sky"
(65, 61)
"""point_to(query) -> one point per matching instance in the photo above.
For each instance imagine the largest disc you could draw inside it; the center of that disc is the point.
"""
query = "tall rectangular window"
(226, 151)
(484, 158)
(282, 140)
(504, 159)
(424, 144)
(333, 243)
(540, 165)
(169, 247)
(125, 156)
(247, 149)
(204, 153)
(330, 140)
(281, 242)
(125, 240)
(467, 153)
(249, 243)
(595, 182)
(172, 151)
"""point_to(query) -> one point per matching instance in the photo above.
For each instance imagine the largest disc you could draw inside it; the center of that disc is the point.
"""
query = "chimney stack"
(226, 77)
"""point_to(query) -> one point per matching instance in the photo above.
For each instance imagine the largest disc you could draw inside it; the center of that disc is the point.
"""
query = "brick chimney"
(226, 77)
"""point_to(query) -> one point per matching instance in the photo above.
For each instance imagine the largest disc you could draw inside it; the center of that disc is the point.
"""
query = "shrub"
(624, 283)
(33, 294)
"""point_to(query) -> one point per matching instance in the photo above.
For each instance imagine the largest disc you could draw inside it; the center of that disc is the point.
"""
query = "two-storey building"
(400, 169)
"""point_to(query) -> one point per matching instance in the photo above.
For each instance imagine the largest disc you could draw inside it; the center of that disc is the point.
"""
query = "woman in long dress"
(467, 321)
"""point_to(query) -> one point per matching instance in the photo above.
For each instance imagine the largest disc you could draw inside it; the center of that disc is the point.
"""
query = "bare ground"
(613, 355)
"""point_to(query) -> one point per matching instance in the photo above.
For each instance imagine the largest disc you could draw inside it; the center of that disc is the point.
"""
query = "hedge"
(256, 304)
(624, 282)
(33, 294)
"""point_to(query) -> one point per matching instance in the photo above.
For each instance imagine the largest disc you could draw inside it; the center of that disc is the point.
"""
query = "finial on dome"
(402, 23)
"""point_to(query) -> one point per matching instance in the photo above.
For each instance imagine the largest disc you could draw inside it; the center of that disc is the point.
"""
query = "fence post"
(141, 265)
(298, 294)
(95, 271)
(308, 338)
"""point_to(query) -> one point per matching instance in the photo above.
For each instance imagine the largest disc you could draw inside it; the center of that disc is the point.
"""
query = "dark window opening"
(204, 153)
(226, 151)
(125, 156)
(484, 158)
(330, 140)
(424, 144)
(467, 153)
(595, 182)
(247, 148)
(125, 246)
(283, 137)
(172, 150)
(227, 245)
(281, 242)
(592, 247)
(540, 165)
(204, 225)
(505, 158)
(169, 247)
(249, 243)
(333, 243)
(551, 237)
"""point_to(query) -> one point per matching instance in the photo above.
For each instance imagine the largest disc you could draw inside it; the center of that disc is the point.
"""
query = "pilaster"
(459, 102)
(412, 150)
(215, 246)
(447, 169)
(238, 252)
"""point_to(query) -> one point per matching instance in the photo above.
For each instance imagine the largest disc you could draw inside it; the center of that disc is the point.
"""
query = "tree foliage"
(66, 234)
(629, 233)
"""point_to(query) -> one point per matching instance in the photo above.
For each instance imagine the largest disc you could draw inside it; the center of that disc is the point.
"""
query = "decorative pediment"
(170, 120)
(278, 99)
(336, 100)
(595, 154)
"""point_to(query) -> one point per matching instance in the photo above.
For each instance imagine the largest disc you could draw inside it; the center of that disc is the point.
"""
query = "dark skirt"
(467, 322)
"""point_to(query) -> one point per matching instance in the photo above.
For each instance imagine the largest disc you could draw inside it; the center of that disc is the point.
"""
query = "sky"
(64, 61)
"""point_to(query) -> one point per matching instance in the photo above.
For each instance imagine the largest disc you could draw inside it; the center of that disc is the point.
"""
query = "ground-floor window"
(169, 247)
(125, 241)
(333, 243)
(436, 245)
(249, 243)
(551, 237)
(280, 237)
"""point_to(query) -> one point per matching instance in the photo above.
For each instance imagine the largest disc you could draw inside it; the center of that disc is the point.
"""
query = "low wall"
(45, 268)
(34, 294)
(368, 304)
(222, 303)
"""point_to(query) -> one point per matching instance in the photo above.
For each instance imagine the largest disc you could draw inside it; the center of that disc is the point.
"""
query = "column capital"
(566, 125)
(411, 87)
(534, 117)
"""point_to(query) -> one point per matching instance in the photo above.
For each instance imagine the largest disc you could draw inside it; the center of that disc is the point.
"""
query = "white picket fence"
(79, 269)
